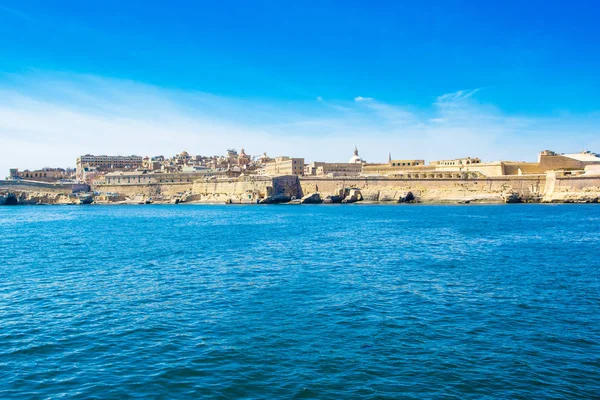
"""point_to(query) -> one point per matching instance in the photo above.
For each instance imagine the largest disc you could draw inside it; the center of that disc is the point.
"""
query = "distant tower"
(390, 158)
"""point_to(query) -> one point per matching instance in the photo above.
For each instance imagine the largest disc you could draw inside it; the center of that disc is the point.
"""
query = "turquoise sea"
(278, 302)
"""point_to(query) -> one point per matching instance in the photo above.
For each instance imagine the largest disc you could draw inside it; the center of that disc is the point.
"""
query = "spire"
(355, 150)
(390, 157)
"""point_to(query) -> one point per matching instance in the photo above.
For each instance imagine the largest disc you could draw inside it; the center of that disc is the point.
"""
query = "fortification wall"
(490, 189)
(40, 187)
(143, 191)
(234, 190)
(487, 169)
(558, 162)
(29, 192)
(514, 168)
(247, 189)
(551, 187)
(572, 189)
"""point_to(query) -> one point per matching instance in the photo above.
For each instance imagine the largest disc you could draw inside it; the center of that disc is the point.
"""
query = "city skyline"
(421, 82)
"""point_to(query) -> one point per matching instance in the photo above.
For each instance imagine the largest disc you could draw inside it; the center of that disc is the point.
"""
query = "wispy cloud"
(49, 119)
(13, 12)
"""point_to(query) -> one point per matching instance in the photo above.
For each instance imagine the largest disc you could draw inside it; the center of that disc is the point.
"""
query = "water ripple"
(300, 302)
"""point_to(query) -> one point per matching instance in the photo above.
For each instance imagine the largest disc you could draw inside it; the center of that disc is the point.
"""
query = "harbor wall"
(246, 189)
(572, 189)
(438, 190)
(131, 191)
(31, 192)
(42, 187)
(249, 189)
(552, 187)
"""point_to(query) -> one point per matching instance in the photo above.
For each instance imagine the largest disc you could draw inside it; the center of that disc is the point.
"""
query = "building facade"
(284, 166)
(42, 175)
(90, 162)
(332, 169)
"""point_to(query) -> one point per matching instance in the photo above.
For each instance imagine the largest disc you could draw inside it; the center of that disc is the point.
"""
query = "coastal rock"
(332, 199)
(512, 197)
(8, 200)
(573, 198)
(353, 196)
(314, 198)
(370, 195)
(387, 195)
(407, 197)
(35, 198)
(277, 199)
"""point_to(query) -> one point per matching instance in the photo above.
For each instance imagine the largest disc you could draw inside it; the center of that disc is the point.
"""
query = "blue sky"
(433, 79)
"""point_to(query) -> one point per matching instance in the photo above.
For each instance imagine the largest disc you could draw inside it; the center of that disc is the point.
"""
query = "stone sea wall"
(572, 189)
(551, 188)
(164, 192)
(242, 190)
(434, 190)
(249, 189)
(30, 193)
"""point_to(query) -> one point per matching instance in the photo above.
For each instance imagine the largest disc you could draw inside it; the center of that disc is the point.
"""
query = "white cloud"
(360, 98)
(15, 13)
(48, 120)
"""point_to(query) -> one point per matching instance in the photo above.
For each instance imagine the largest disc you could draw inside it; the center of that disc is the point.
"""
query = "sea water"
(329, 302)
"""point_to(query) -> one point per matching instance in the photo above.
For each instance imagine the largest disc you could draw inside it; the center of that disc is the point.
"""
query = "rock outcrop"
(407, 197)
(313, 198)
(276, 199)
(332, 199)
(512, 197)
(353, 196)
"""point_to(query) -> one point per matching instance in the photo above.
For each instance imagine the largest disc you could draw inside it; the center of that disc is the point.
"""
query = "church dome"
(184, 154)
(355, 159)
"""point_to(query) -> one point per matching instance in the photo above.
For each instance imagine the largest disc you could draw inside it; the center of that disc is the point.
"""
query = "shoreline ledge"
(292, 189)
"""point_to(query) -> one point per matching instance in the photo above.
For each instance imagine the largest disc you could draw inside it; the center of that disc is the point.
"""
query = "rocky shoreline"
(353, 196)
(295, 190)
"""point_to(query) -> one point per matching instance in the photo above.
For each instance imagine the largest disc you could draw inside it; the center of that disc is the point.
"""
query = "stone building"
(90, 162)
(243, 159)
(405, 163)
(332, 169)
(145, 178)
(284, 166)
(393, 167)
(42, 175)
(355, 159)
(457, 161)
(264, 159)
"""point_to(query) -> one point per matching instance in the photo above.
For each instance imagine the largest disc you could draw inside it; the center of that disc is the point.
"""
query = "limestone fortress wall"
(28, 192)
(549, 187)
(568, 189)
(434, 190)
